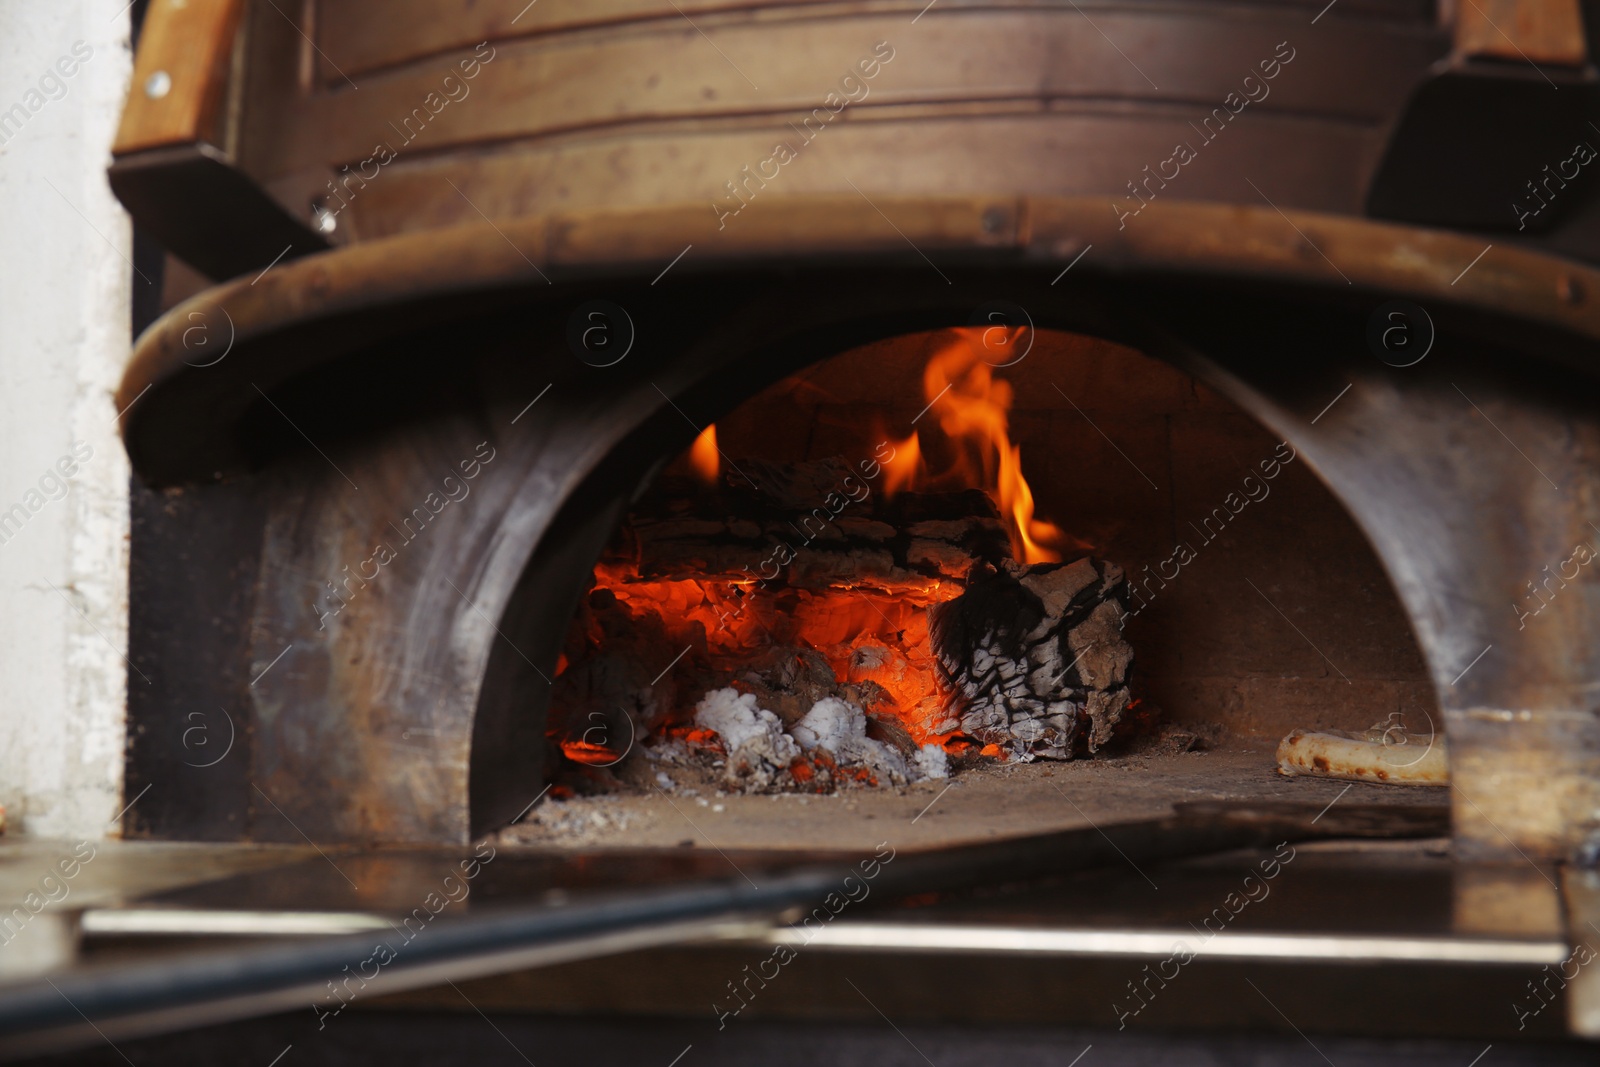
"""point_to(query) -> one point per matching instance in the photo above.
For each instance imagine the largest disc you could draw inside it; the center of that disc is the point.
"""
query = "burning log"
(813, 525)
(1032, 658)
(799, 591)
(833, 636)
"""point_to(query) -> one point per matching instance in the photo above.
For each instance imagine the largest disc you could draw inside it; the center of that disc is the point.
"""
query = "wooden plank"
(354, 41)
(180, 75)
(669, 72)
(1533, 31)
(908, 154)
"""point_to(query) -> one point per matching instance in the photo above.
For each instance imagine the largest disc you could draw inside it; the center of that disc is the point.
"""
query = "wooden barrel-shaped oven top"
(368, 118)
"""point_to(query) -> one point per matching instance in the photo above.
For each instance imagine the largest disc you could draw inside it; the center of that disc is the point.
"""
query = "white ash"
(830, 723)
(930, 762)
(577, 820)
(841, 728)
(670, 751)
(758, 749)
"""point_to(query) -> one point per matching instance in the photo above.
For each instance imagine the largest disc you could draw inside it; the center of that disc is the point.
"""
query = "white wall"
(64, 313)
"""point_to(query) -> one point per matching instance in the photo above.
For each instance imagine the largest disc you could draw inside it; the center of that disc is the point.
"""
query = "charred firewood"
(813, 525)
(1032, 658)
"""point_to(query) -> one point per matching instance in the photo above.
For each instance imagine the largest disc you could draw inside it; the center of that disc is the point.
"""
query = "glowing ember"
(703, 454)
(876, 632)
(584, 752)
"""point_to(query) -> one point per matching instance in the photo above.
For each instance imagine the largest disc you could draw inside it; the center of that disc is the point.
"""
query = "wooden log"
(804, 529)
(1032, 659)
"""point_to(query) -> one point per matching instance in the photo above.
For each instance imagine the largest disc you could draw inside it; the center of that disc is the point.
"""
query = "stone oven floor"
(979, 803)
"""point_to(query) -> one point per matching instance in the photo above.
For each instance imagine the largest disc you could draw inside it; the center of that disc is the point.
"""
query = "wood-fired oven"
(1012, 391)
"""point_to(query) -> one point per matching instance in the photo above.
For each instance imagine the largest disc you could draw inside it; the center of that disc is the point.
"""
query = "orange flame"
(974, 408)
(703, 455)
(900, 471)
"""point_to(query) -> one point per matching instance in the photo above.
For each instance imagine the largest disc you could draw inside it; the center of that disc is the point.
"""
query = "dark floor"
(390, 1039)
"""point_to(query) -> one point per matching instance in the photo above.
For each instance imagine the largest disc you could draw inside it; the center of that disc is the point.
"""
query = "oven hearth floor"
(980, 803)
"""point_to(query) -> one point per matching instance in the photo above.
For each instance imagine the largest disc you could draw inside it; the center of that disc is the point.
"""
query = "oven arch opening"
(1227, 664)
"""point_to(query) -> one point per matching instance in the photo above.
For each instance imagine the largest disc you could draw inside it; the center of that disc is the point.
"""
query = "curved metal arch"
(183, 412)
(449, 667)
(710, 377)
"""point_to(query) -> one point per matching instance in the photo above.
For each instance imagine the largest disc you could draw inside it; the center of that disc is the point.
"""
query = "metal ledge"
(910, 937)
